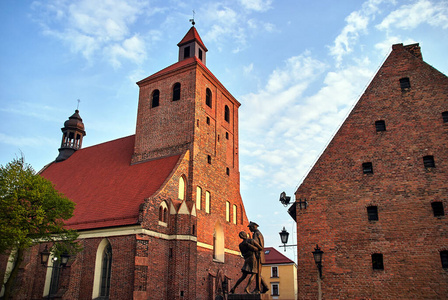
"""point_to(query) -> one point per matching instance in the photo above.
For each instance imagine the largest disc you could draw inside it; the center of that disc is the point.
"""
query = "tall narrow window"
(367, 168)
(55, 278)
(405, 84)
(428, 161)
(274, 288)
(209, 159)
(437, 209)
(227, 114)
(372, 213)
(208, 97)
(163, 214)
(187, 52)
(106, 272)
(198, 197)
(444, 258)
(227, 211)
(181, 193)
(176, 91)
(218, 243)
(155, 98)
(274, 271)
(234, 214)
(445, 117)
(200, 54)
(227, 171)
(103, 267)
(377, 261)
(380, 125)
(207, 202)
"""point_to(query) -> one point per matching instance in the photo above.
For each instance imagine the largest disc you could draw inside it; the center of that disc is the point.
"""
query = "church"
(375, 200)
(158, 213)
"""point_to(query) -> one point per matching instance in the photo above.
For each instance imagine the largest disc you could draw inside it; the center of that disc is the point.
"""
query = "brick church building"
(158, 212)
(377, 196)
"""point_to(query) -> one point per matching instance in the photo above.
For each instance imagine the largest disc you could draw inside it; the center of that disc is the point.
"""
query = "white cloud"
(357, 24)
(94, 27)
(256, 5)
(412, 15)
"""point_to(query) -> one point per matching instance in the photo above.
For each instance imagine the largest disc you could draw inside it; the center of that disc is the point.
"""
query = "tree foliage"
(32, 211)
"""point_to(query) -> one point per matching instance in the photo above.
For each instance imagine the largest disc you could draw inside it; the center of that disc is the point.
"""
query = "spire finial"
(77, 107)
(192, 20)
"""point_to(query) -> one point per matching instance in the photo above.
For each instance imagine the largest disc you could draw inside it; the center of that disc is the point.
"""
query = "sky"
(296, 66)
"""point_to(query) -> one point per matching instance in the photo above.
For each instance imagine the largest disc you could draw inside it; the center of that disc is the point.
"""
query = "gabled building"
(379, 192)
(280, 273)
(159, 212)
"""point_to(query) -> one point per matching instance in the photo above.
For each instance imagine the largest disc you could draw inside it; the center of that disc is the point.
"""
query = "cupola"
(192, 45)
(72, 134)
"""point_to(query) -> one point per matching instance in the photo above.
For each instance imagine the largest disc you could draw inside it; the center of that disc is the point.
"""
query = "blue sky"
(297, 67)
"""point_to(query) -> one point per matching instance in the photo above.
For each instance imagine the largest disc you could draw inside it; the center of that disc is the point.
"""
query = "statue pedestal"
(247, 296)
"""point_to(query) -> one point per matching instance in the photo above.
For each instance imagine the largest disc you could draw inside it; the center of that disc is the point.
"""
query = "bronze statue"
(259, 255)
(248, 248)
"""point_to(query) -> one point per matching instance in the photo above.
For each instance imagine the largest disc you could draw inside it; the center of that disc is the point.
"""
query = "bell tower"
(72, 134)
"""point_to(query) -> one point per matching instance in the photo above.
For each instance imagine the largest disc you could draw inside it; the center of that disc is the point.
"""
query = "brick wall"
(407, 234)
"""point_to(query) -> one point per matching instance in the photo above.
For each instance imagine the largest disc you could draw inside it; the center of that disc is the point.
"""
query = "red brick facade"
(190, 253)
(340, 190)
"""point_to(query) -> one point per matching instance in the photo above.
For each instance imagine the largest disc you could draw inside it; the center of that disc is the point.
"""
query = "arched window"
(176, 91)
(218, 243)
(52, 277)
(155, 98)
(227, 114)
(208, 97)
(103, 270)
(163, 214)
(181, 194)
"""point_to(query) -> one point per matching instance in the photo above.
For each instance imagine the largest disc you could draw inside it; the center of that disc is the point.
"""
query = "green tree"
(32, 211)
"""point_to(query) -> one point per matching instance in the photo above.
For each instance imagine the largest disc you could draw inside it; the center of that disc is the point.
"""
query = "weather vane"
(192, 20)
(77, 108)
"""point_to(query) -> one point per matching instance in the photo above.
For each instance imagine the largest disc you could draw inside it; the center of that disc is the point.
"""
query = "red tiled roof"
(192, 35)
(178, 65)
(108, 190)
(272, 256)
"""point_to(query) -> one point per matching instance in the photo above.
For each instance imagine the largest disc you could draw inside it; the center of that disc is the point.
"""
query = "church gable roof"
(108, 190)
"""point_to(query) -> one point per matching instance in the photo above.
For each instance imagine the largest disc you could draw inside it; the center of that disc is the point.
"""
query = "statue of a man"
(259, 255)
(248, 248)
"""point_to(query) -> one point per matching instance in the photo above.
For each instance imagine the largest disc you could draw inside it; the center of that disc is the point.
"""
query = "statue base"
(247, 296)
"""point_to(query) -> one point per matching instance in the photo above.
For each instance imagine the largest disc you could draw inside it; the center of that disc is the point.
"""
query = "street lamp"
(284, 238)
(45, 255)
(317, 253)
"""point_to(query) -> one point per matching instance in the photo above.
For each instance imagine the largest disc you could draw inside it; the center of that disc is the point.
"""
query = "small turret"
(72, 134)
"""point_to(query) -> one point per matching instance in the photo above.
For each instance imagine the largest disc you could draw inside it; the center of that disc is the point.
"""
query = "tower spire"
(72, 134)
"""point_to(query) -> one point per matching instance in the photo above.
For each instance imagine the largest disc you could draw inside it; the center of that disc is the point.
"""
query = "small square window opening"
(367, 168)
(405, 84)
(377, 261)
(428, 161)
(380, 125)
(372, 213)
(437, 209)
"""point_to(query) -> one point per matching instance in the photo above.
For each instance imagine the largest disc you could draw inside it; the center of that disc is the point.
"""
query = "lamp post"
(317, 253)
(284, 238)
(44, 256)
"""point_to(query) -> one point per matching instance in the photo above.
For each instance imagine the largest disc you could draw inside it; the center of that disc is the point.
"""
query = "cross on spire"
(77, 108)
(192, 20)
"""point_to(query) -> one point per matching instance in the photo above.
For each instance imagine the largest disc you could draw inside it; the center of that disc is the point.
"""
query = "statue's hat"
(252, 224)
